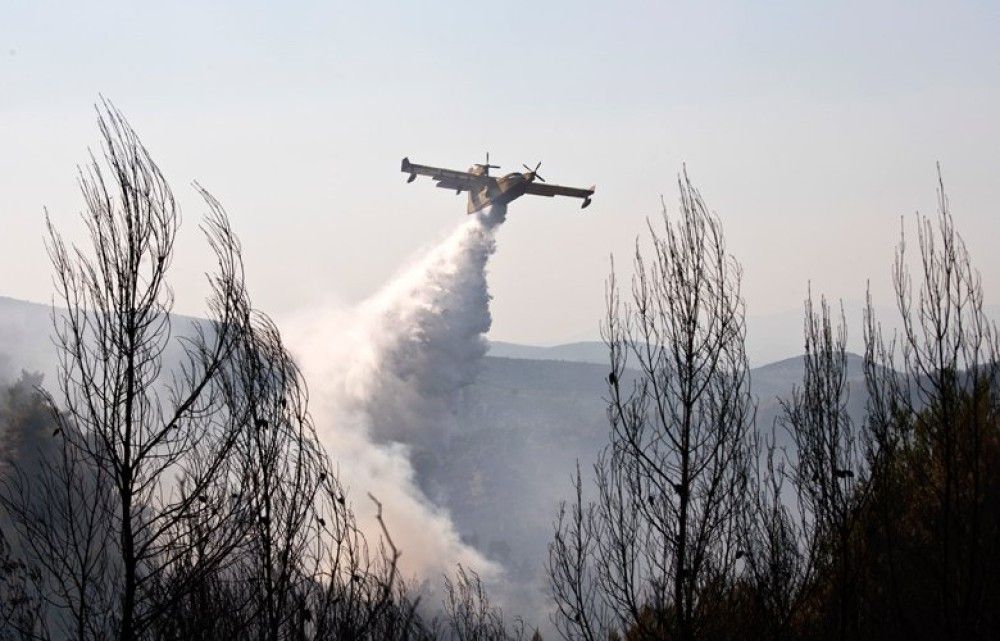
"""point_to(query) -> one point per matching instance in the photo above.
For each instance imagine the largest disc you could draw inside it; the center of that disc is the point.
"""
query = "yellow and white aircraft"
(485, 190)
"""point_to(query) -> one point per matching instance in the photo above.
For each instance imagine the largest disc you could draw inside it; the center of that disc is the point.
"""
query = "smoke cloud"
(384, 379)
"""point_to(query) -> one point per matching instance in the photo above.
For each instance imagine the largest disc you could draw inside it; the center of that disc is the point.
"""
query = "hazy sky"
(809, 127)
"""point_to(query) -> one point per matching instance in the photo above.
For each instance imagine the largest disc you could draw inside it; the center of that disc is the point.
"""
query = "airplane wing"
(446, 178)
(545, 189)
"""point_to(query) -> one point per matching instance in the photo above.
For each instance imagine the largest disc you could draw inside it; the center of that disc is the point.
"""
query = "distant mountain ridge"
(580, 352)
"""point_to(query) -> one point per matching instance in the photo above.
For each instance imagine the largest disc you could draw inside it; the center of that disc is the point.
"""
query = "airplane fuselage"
(501, 191)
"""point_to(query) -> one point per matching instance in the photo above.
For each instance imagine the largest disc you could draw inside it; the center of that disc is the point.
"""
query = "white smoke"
(384, 379)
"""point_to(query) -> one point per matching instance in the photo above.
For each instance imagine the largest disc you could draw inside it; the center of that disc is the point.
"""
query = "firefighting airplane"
(485, 190)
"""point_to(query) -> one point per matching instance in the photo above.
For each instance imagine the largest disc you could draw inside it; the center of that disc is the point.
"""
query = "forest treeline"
(138, 503)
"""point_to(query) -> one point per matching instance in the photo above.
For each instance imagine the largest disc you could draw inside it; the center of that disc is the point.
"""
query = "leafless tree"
(469, 614)
(356, 592)
(303, 569)
(650, 556)
(776, 552)
(933, 391)
(152, 447)
(828, 471)
(283, 466)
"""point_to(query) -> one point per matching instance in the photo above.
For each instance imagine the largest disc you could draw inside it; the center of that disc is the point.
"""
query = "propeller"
(488, 165)
(534, 172)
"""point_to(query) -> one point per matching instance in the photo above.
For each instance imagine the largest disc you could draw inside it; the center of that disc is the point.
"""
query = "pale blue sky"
(810, 128)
